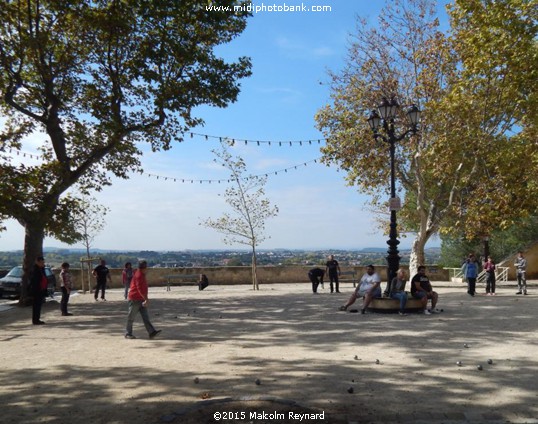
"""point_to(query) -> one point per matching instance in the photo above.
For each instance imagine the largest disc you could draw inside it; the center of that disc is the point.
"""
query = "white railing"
(501, 275)
(455, 275)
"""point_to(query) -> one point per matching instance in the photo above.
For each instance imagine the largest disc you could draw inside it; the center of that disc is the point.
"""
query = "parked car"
(10, 285)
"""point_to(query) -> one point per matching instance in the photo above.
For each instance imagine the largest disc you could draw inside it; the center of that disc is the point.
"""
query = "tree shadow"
(298, 346)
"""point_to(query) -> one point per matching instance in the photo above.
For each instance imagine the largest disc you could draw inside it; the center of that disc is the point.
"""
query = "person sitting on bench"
(421, 288)
(397, 289)
(369, 288)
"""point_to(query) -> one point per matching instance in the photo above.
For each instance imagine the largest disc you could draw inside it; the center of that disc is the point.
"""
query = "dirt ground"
(255, 357)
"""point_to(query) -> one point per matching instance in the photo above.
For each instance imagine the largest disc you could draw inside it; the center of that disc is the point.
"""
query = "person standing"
(397, 289)
(421, 288)
(316, 277)
(138, 302)
(66, 285)
(127, 276)
(38, 289)
(102, 275)
(489, 267)
(332, 268)
(470, 273)
(521, 269)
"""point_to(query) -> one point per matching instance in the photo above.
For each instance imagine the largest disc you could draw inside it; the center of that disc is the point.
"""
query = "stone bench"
(385, 304)
(348, 277)
(181, 279)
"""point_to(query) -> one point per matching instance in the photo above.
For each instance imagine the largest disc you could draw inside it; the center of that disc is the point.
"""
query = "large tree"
(99, 79)
(441, 171)
(406, 57)
(491, 113)
(249, 208)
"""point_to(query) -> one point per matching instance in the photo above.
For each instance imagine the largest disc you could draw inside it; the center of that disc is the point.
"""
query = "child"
(66, 286)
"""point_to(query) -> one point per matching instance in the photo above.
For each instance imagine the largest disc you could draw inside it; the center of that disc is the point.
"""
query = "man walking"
(138, 302)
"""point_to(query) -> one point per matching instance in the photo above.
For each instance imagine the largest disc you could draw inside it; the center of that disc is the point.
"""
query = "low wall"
(233, 275)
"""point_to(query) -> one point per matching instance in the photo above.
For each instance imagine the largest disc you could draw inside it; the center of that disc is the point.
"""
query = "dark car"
(10, 285)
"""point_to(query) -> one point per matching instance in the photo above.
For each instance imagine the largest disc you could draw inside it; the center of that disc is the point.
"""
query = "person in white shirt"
(368, 288)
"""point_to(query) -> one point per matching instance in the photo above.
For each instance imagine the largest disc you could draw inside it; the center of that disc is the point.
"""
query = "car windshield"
(15, 272)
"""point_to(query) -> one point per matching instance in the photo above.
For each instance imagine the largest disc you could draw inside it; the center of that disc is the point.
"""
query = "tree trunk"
(33, 247)
(427, 229)
(417, 256)
(255, 285)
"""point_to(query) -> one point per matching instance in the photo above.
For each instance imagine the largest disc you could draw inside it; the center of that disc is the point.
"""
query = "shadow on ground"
(298, 347)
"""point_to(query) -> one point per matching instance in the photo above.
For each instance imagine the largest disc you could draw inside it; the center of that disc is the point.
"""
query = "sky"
(291, 53)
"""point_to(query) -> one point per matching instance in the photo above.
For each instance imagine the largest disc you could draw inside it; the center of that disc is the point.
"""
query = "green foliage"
(472, 168)
(405, 57)
(96, 79)
(502, 243)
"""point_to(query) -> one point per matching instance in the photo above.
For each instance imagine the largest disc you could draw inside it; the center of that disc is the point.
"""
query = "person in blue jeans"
(397, 289)
(421, 288)
(470, 273)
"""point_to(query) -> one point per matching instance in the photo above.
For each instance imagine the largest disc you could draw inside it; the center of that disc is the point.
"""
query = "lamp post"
(383, 119)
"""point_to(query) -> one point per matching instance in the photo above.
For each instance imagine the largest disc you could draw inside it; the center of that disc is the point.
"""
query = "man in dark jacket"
(316, 277)
(38, 289)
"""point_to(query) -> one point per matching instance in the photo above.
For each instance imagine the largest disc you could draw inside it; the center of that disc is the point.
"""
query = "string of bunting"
(189, 180)
(24, 154)
(227, 180)
(260, 142)
(202, 181)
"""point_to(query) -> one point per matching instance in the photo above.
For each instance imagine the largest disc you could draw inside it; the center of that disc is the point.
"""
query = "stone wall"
(242, 275)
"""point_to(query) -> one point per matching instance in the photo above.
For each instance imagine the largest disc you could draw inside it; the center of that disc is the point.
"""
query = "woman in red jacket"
(138, 302)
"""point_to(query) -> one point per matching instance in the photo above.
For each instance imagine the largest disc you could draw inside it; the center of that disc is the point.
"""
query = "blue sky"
(291, 53)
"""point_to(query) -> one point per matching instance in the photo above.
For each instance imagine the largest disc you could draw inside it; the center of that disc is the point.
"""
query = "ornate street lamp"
(383, 120)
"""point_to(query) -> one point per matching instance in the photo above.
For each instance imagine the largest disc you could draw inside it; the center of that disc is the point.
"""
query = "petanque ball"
(479, 367)
(458, 363)
(465, 345)
(377, 361)
(196, 380)
(258, 382)
(350, 390)
(490, 361)
(356, 357)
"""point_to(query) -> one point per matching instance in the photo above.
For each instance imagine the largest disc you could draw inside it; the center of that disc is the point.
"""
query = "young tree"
(99, 79)
(89, 220)
(246, 224)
